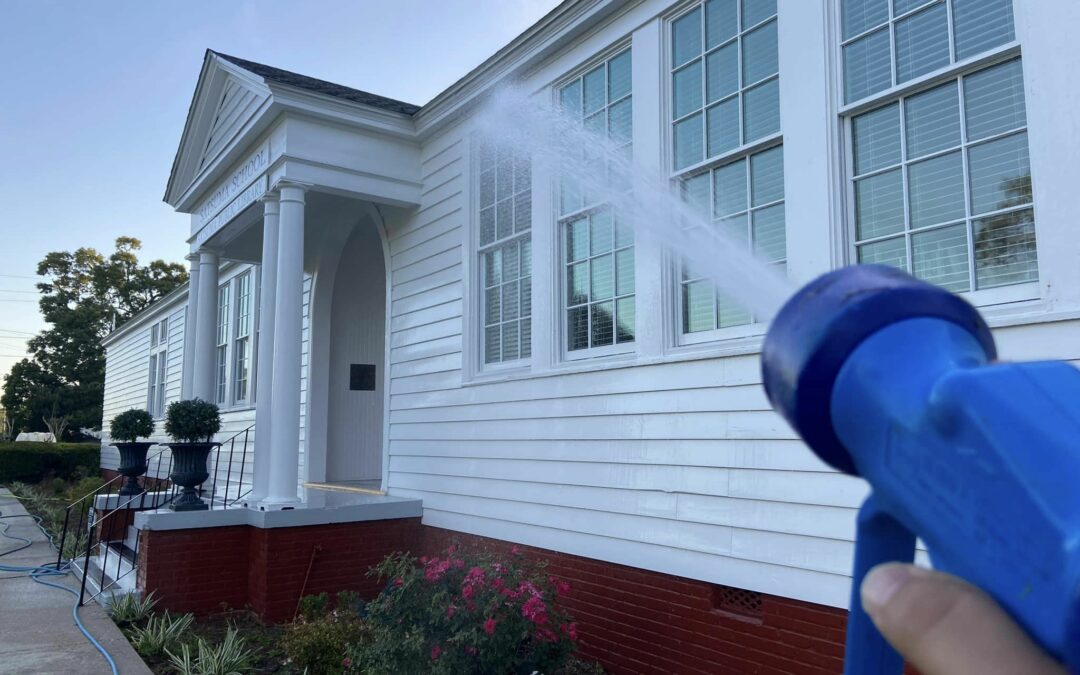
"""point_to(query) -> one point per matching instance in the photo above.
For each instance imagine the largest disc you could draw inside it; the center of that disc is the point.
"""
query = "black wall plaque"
(362, 377)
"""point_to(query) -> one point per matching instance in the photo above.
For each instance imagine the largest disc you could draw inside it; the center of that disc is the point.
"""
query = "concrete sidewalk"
(37, 633)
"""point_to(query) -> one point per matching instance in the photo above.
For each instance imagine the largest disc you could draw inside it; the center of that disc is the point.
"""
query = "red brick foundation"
(630, 620)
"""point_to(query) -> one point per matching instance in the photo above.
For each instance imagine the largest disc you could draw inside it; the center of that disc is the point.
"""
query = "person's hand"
(945, 626)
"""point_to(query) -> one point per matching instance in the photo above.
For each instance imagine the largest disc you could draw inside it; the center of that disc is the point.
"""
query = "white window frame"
(242, 336)
(755, 327)
(475, 272)
(227, 335)
(158, 368)
(561, 220)
(955, 70)
(222, 370)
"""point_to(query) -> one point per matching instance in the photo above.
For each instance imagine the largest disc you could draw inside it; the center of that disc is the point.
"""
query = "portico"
(303, 179)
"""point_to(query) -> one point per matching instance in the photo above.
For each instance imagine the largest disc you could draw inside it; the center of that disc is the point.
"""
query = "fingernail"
(882, 583)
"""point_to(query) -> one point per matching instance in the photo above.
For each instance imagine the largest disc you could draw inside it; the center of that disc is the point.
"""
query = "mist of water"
(641, 197)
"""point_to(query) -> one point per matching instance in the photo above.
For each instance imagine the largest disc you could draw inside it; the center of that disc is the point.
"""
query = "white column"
(264, 376)
(206, 327)
(288, 328)
(190, 319)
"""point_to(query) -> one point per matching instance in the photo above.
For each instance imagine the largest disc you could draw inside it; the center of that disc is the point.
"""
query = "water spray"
(892, 379)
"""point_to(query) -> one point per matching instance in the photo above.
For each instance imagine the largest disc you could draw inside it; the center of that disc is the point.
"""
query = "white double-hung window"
(726, 143)
(159, 356)
(939, 170)
(504, 252)
(598, 250)
(222, 374)
(242, 339)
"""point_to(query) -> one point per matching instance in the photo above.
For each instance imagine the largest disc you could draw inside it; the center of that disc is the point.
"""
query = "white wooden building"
(332, 229)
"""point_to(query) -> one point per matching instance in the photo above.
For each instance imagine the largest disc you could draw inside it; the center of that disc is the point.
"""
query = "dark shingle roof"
(322, 86)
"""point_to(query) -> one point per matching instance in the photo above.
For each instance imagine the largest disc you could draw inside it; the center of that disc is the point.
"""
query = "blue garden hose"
(38, 573)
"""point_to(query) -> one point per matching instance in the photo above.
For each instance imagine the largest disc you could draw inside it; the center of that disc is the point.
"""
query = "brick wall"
(630, 620)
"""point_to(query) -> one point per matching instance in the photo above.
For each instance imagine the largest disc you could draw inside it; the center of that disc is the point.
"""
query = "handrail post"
(63, 537)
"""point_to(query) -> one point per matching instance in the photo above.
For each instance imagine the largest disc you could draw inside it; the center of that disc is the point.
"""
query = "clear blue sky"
(95, 93)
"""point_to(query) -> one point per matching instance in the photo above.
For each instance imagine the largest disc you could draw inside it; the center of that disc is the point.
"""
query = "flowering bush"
(466, 612)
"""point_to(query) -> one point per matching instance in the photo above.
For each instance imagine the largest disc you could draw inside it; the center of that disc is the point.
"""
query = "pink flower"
(467, 592)
(399, 581)
(516, 550)
(450, 550)
(435, 569)
(570, 629)
(562, 588)
(535, 610)
(459, 564)
(346, 662)
(489, 626)
(450, 611)
(435, 652)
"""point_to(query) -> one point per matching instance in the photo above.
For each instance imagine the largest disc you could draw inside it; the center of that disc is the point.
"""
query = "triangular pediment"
(227, 99)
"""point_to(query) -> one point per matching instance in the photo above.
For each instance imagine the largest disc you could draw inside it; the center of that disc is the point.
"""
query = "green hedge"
(33, 462)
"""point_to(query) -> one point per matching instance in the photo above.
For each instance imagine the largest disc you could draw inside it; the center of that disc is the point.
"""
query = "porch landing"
(320, 505)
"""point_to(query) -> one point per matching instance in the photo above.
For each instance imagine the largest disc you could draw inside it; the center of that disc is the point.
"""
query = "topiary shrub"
(132, 425)
(192, 421)
(466, 612)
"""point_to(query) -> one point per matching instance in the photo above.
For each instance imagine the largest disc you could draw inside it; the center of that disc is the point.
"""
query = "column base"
(274, 504)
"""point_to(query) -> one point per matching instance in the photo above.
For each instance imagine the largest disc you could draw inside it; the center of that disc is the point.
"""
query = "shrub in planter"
(128, 427)
(192, 425)
(466, 612)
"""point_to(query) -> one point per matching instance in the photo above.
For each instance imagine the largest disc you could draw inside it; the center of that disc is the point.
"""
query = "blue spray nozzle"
(818, 328)
(893, 379)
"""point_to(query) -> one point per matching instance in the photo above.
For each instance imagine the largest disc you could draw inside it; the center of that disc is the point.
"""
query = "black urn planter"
(189, 471)
(132, 465)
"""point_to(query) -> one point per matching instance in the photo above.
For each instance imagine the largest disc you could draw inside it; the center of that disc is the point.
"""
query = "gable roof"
(321, 86)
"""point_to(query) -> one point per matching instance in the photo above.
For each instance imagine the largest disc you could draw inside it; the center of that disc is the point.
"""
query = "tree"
(84, 296)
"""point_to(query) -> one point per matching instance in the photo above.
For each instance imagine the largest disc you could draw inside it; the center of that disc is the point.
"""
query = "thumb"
(945, 626)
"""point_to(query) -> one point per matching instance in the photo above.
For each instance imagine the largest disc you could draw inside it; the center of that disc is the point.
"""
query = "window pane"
(767, 176)
(486, 154)
(1005, 249)
(510, 298)
(577, 285)
(936, 190)
(570, 99)
(687, 89)
(624, 234)
(922, 43)
(504, 218)
(770, 243)
(722, 72)
(624, 320)
(686, 37)
(624, 272)
(492, 344)
(510, 347)
(526, 297)
(1000, 175)
(737, 229)
(721, 21)
(729, 185)
(932, 120)
(526, 338)
(889, 252)
(522, 211)
(522, 174)
(994, 100)
(981, 24)
(879, 204)
(595, 90)
(602, 277)
(577, 328)
(760, 54)
(493, 268)
(756, 11)
(487, 225)
(867, 66)
(577, 239)
(504, 180)
(723, 126)
(698, 307)
(600, 232)
(602, 324)
(761, 112)
(730, 313)
(941, 257)
(696, 193)
(877, 139)
(620, 121)
(688, 142)
(526, 257)
(859, 16)
(487, 187)
(492, 305)
(619, 76)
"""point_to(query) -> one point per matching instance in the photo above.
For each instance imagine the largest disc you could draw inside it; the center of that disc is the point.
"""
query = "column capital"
(192, 257)
(291, 190)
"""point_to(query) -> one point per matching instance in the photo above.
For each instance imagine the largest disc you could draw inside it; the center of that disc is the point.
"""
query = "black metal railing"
(106, 535)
